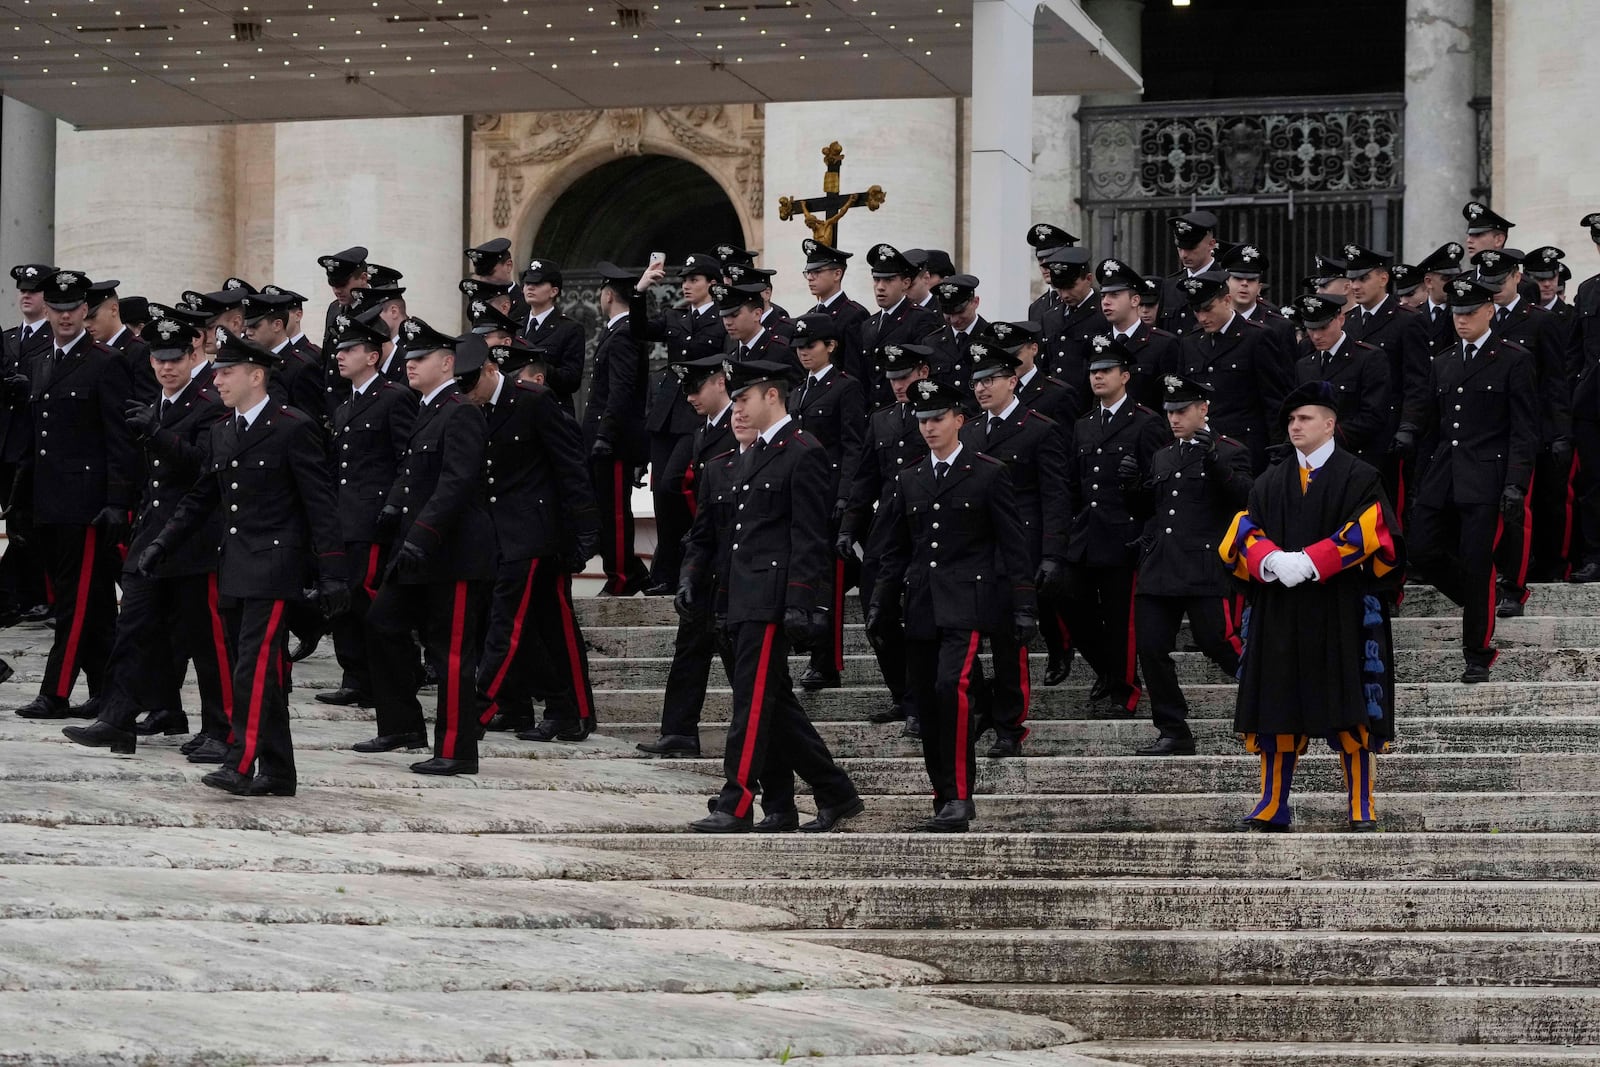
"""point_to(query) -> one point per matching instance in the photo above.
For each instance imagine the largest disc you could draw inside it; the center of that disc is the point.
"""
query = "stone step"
(1149, 1053)
(162, 1029)
(1164, 904)
(1493, 1015)
(1206, 957)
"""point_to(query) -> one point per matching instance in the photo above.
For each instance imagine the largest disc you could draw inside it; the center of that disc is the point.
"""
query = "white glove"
(1302, 563)
(1290, 568)
(1269, 566)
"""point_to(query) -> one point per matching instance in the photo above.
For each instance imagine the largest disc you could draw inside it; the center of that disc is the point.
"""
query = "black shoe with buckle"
(1167, 746)
(209, 750)
(165, 721)
(558, 730)
(102, 735)
(390, 742)
(833, 818)
(671, 745)
(779, 822)
(345, 697)
(813, 680)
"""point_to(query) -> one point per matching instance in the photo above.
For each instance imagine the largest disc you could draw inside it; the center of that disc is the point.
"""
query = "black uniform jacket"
(1068, 341)
(1035, 452)
(848, 317)
(956, 555)
(1583, 350)
(1359, 374)
(16, 416)
(951, 364)
(1485, 416)
(1404, 337)
(140, 374)
(905, 323)
(1052, 398)
(767, 345)
(1544, 336)
(273, 489)
(1155, 354)
(441, 492)
(84, 458)
(894, 444)
(1249, 377)
(615, 410)
(176, 456)
(371, 431)
(563, 342)
(540, 498)
(835, 412)
(707, 546)
(687, 335)
(1187, 502)
(707, 441)
(298, 382)
(1104, 533)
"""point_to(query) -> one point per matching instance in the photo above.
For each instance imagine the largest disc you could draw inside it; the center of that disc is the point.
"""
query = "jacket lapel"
(957, 473)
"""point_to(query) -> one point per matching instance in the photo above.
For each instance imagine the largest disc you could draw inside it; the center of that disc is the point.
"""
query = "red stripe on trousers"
(370, 582)
(1400, 490)
(1230, 628)
(219, 645)
(688, 490)
(1026, 682)
(1133, 649)
(512, 644)
(964, 716)
(1494, 578)
(1527, 541)
(747, 752)
(449, 685)
(69, 658)
(49, 591)
(619, 580)
(1568, 498)
(258, 685)
(838, 615)
(569, 630)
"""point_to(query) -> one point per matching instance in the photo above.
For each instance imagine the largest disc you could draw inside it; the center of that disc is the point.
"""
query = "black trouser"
(1157, 619)
(1586, 436)
(447, 614)
(828, 656)
(82, 564)
(697, 641)
(1513, 551)
(946, 679)
(22, 584)
(1397, 473)
(1053, 625)
(533, 645)
(1454, 546)
(674, 513)
(258, 632)
(613, 491)
(164, 624)
(1554, 515)
(1100, 612)
(766, 713)
(1011, 694)
(364, 564)
(892, 655)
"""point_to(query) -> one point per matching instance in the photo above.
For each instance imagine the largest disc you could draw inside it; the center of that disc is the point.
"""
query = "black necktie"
(1468, 350)
(744, 353)
(988, 431)
(166, 406)
(940, 469)
(811, 383)
(1438, 313)
(241, 424)
(1105, 417)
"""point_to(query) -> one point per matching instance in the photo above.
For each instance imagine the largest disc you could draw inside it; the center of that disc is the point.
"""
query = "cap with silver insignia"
(1179, 392)
(1482, 220)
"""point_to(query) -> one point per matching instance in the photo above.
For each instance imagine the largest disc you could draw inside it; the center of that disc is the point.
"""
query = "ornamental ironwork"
(1483, 178)
(1229, 148)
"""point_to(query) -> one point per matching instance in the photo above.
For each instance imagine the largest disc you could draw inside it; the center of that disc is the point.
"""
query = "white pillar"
(1441, 132)
(153, 207)
(1002, 153)
(395, 186)
(27, 185)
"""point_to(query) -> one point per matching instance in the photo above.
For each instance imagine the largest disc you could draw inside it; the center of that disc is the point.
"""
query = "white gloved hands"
(1290, 568)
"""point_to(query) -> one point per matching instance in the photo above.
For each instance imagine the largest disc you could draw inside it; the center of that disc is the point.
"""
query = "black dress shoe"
(209, 750)
(47, 707)
(163, 721)
(228, 780)
(954, 817)
(508, 722)
(779, 822)
(102, 735)
(37, 613)
(1509, 608)
(1589, 572)
(1057, 668)
(6, 670)
(1167, 746)
(558, 730)
(390, 742)
(813, 680)
(1005, 747)
(193, 743)
(345, 698)
(263, 786)
(440, 765)
(895, 712)
(661, 589)
(671, 745)
(1262, 826)
(1363, 826)
(833, 818)
(305, 642)
(912, 728)
(721, 822)
(1475, 672)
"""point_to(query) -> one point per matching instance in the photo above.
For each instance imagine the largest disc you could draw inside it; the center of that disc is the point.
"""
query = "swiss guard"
(1318, 548)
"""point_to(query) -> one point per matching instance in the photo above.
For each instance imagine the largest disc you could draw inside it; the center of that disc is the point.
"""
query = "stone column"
(1441, 136)
(153, 208)
(906, 146)
(396, 186)
(255, 171)
(28, 188)
(1002, 153)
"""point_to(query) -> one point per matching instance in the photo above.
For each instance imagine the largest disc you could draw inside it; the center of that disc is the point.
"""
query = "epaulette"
(1253, 324)
(734, 452)
(1029, 413)
(986, 458)
(1147, 411)
(285, 409)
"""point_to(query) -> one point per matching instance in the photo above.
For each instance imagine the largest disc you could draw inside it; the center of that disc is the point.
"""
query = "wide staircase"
(553, 909)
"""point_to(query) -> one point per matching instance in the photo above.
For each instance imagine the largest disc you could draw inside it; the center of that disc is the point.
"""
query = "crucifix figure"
(822, 213)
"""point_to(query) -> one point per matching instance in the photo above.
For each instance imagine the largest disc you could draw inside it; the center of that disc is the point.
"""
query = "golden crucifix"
(822, 213)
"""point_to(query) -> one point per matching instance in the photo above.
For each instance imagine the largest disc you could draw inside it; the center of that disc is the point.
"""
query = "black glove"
(686, 603)
(332, 596)
(821, 628)
(1561, 449)
(879, 625)
(1050, 577)
(1206, 439)
(580, 552)
(1404, 443)
(1127, 471)
(1511, 500)
(389, 518)
(141, 419)
(844, 545)
(113, 520)
(601, 449)
(839, 508)
(639, 474)
(1023, 627)
(15, 386)
(150, 559)
(797, 628)
(410, 558)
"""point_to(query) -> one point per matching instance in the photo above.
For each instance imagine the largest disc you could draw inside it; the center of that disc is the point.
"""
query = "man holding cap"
(547, 328)
(1357, 372)
(1196, 485)
(614, 435)
(1316, 546)
(1195, 237)
(1484, 412)
(954, 570)
(83, 476)
(897, 320)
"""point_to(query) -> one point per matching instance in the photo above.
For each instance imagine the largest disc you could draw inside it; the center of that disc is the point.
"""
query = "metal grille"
(580, 300)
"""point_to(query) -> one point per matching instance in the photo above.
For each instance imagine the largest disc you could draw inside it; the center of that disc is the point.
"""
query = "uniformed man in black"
(221, 308)
(1239, 360)
(832, 407)
(699, 635)
(1244, 264)
(442, 564)
(1044, 239)
(296, 307)
(1034, 450)
(1405, 281)
(345, 271)
(773, 316)
(1583, 359)
(741, 307)
(547, 328)
(1440, 265)
(267, 476)
(105, 325)
(1486, 228)
(691, 330)
(545, 529)
(1038, 391)
(1195, 237)
(614, 435)
(1484, 407)
(174, 616)
(1358, 373)
(778, 577)
(956, 299)
(22, 584)
(954, 571)
(897, 320)
(933, 267)
(1112, 447)
(1327, 276)
(492, 262)
(1543, 267)
(1152, 290)
(383, 309)
(824, 274)
(893, 444)
(1075, 321)
(297, 378)
(371, 431)
(1154, 350)
(84, 476)
(1195, 486)
(500, 295)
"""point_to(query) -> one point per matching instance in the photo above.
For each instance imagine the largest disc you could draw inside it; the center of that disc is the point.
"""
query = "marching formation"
(1138, 452)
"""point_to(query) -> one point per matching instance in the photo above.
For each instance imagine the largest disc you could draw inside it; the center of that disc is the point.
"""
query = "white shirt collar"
(1375, 308)
(174, 397)
(297, 338)
(1317, 458)
(281, 346)
(1211, 264)
(112, 340)
(950, 459)
(822, 372)
(1338, 344)
(1006, 414)
(718, 418)
(1225, 325)
(196, 370)
(1509, 308)
(537, 318)
(767, 434)
(1026, 378)
(1114, 408)
(828, 303)
(361, 390)
(499, 386)
(1480, 340)
(886, 312)
(701, 308)
(752, 342)
(1122, 334)
(1554, 300)
(615, 319)
(69, 344)
(429, 397)
(255, 412)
